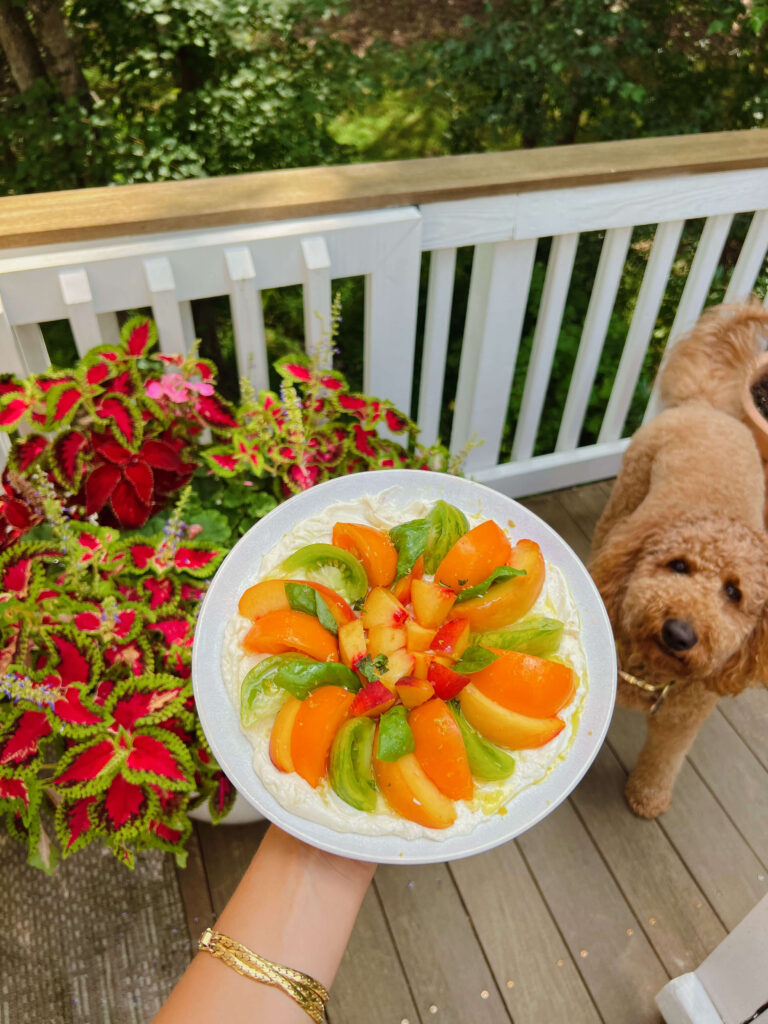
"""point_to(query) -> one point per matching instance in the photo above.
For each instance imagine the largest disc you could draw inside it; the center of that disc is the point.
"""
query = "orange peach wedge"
(412, 794)
(504, 727)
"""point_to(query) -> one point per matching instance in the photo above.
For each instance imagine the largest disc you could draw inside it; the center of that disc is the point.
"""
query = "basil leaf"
(325, 615)
(410, 539)
(504, 572)
(446, 524)
(301, 597)
(395, 735)
(473, 659)
(371, 668)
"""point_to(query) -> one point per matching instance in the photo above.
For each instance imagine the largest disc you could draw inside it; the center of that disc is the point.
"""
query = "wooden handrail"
(80, 214)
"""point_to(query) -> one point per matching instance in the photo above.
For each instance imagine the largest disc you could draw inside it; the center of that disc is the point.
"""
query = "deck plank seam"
(660, 825)
(641, 924)
(396, 948)
(480, 945)
(560, 932)
(746, 743)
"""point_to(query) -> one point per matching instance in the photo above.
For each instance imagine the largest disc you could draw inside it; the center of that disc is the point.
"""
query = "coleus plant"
(101, 574)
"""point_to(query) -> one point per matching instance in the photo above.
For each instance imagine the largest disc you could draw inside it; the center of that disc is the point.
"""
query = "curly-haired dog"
(680, 553)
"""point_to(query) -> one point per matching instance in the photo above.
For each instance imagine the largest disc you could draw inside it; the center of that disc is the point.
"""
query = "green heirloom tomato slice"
(446, 524)
(350, 767)
(326, 563)
(487, 762)
(264, 688)
(539, 636)
(395, 735)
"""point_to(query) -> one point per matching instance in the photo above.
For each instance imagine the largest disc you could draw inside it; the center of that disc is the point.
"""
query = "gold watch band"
(308, 993)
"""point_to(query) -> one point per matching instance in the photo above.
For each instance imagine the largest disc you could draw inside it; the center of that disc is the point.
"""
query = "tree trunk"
(19, 46)
(52, 31)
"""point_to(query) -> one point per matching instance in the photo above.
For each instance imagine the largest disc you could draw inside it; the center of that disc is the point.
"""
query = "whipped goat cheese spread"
(322, 805)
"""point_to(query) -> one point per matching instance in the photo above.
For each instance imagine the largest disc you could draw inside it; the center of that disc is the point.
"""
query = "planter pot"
(241, 814)
(757, 423)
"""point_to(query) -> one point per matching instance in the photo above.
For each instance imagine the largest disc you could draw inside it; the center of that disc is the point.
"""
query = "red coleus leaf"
(352, 404)
(304, 476)
(87, 540)
(122, 384)
(96, 374)
(14, 789)
(150, 755)
(223, 791)
(89, 763)
(61, 405)
(130, 510)
(8, 386)
(175, 631)
(28, 450)
(129, 710)
(362, 440)
(87, 621)
(31, 727)
(172, 835)
(124, 800)
(191, 558)
(138, 339)
(332, 383)
(68, 449)
(109, 449)
(16, 577)
(70, 709)
(73, 667)
(190, 592)
(141, 554)
(79, 818)
(161, 591)
(394, 422)
(160, 455)
(297, 371)
(13, 412)
(115, 409)
(213, 410)
(99, 487)
(140, 475)
(225, 461)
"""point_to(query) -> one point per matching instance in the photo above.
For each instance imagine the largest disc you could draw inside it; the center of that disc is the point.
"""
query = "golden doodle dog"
(680, 553)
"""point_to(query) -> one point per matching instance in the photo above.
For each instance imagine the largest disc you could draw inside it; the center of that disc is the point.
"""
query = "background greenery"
(146, 90)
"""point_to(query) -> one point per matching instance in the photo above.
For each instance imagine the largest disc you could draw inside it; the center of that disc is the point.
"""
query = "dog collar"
(660, 689)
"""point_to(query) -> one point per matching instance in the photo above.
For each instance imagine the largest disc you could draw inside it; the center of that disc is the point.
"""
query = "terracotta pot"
(752, 415)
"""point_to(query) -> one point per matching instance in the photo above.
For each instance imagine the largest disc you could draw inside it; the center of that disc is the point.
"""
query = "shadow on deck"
(581, 920)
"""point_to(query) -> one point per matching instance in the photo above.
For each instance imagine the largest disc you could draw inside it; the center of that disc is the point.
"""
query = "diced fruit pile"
(430, 687)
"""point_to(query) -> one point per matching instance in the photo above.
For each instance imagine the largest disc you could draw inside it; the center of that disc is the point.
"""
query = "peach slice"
(440, 749)
(385, 639)
(267, 596)
(280, 737)
(418, 638)
(446, 681)
(413, 691)
(352, 643)
(402, 588)
(421, 663)
(507, 728)
(373, 699)
(506, 602)
(317, 722)
(411, 793)
(399, 664)
(452, 638)
(382, 608)
(526, 684)
(431, 603)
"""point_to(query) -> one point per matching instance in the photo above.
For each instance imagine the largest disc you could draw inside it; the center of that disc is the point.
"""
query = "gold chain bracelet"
(308, 993)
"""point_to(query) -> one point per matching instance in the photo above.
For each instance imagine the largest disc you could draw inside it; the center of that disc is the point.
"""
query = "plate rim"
(356, 845)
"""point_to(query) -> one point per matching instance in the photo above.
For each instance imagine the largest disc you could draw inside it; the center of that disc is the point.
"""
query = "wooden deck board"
(581, 880)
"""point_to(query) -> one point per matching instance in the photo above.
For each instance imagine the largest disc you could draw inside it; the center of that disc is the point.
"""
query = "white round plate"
(241, 568)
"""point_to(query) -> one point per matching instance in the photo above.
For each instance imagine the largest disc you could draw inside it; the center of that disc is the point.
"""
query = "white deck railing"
(89, 279)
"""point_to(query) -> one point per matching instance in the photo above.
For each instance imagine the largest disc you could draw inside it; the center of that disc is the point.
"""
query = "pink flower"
(176, 388)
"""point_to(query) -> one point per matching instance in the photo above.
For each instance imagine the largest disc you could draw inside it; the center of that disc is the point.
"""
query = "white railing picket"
(442, 271)
(391, 310)
(33, 349)
(317, 294)
(247, 317)
(10, 357)
(188, 331)
(498, 295)
(750, 259)
(695, 292)
(610, 266)
(165, 306)
(655, 279)
(548, 321)
(76, 292)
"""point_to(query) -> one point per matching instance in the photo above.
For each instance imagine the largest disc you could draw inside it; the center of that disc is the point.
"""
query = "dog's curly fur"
(683, 539)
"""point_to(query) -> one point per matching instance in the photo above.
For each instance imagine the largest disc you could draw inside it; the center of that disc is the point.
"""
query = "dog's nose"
(678, 634)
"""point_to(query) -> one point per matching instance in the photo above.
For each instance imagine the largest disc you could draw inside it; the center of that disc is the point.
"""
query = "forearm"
(295, 905)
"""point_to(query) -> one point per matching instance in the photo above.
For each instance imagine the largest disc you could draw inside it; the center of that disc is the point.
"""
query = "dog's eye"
(732, 592)
(678, 565)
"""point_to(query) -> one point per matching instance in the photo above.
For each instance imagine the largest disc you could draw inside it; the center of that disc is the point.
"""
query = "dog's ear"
(749, 666)
(612, 564)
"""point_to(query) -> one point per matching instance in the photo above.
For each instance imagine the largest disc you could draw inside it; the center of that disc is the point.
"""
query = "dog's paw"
(646, 801)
